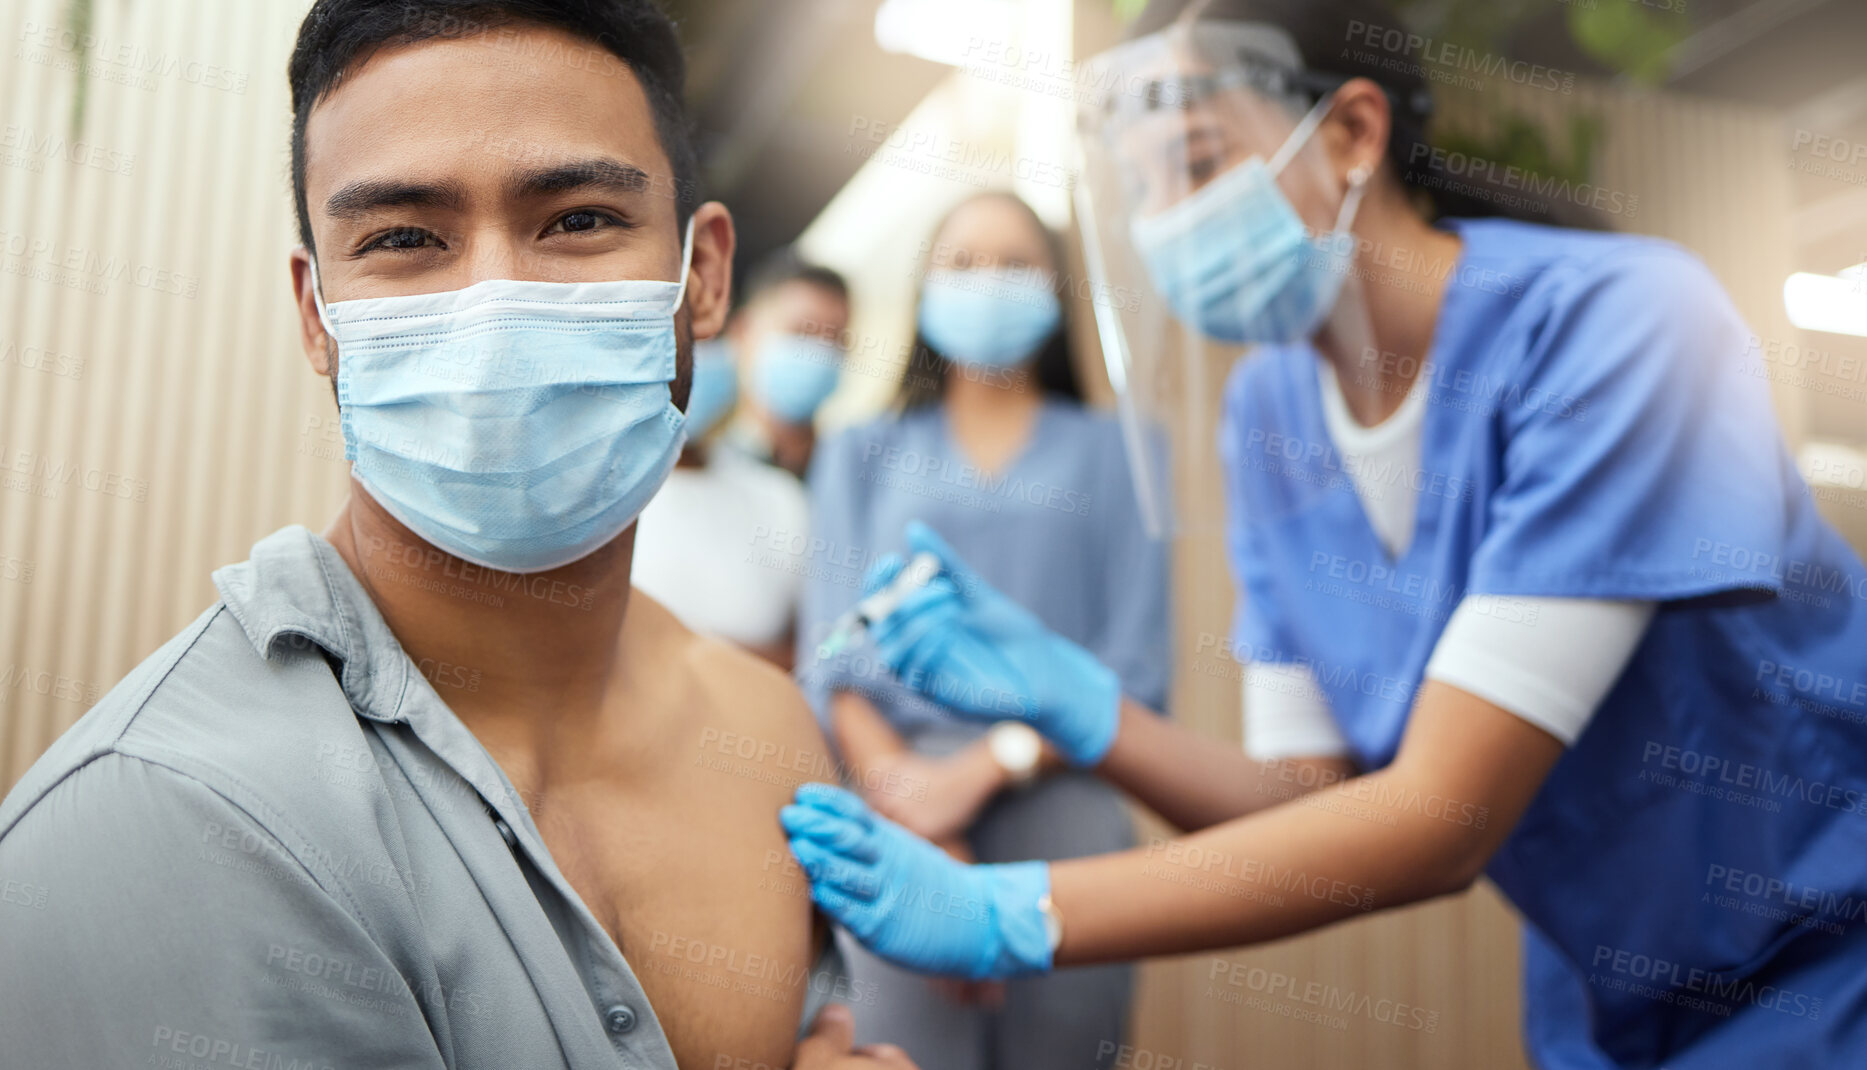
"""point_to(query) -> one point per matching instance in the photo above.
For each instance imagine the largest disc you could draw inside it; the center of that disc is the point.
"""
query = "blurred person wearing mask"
(990, 443)
(788, 338)
(721, 544)
(404, 794)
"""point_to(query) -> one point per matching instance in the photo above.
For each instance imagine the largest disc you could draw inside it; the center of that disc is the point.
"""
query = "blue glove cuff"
(1023, 939)
(1092, 729)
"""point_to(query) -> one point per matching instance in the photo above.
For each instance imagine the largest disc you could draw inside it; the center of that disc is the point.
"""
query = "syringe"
(852, 625)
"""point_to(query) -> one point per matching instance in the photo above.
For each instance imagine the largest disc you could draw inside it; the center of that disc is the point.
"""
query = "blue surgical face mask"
(987, 319)
(793, 374)
(715, 389)
(1234, 259)
(517, 425)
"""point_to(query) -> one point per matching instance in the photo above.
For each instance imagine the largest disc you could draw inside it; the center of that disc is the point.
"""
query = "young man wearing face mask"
(788, 338)
(726, 543)
(433, 788)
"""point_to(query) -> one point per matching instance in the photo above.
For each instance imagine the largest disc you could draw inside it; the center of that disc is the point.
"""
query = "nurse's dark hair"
(1322, 33)
(336, 35)
(1053, 370)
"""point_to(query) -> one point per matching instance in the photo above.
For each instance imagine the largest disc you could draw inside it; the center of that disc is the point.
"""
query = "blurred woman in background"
(991, 445)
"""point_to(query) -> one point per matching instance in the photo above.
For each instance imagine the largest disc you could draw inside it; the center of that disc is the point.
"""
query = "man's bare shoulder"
(733, 690)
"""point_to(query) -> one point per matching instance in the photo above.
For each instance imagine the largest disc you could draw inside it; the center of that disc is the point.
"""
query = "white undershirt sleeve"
(1549, 661)
(1287, 715)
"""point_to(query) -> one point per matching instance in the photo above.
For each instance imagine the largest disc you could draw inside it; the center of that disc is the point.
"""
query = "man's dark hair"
(338, 34)
(785, 265)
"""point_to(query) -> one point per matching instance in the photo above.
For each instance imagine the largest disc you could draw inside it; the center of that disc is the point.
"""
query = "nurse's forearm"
(1194, 781)
(1258, 878)
(1425, 825)
(862, 734)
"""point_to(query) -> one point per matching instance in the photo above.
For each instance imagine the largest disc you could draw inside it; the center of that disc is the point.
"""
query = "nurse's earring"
(1351, 201)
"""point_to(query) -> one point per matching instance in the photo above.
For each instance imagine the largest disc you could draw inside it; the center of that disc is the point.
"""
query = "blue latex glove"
(912, 903)
(961, 643)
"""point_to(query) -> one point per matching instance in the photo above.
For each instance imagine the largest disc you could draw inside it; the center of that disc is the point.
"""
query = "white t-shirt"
(724, 548)
(1549, 661)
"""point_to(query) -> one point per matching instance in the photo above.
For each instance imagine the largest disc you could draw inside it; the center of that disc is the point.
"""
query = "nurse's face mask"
(1234, 259)
(517, 425)
(1195, 159)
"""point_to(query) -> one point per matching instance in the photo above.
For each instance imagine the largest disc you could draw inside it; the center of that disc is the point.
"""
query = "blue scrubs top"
(1694, 871)
(1056, 530)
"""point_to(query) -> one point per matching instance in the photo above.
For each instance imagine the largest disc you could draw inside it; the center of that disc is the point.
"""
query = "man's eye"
(401, 238)
(581, 220)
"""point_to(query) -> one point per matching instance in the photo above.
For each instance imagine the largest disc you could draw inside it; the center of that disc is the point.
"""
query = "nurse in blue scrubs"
(990, 443)
(1528, 588)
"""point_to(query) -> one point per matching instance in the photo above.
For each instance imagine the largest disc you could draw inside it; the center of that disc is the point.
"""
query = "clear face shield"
(1213, 222)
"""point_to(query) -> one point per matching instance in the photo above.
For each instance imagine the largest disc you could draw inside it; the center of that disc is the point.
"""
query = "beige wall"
(175, 423)
(149, 435)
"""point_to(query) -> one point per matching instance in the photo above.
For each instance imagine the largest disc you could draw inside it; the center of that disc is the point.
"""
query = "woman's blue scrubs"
(1694, 871)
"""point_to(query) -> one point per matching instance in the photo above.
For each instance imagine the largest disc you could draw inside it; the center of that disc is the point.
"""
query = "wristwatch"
(1016, 747)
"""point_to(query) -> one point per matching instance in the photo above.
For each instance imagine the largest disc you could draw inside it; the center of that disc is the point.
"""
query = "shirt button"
(505, 832)
(620, 1018)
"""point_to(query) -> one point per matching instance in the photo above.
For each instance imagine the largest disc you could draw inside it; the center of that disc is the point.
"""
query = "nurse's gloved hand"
(912, 903)
(961, 643)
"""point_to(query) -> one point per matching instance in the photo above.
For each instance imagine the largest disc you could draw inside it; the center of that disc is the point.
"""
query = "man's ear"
(710, 277)
(311, 334)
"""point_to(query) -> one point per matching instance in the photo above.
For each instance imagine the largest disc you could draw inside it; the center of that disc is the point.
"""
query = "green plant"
(1629, 37)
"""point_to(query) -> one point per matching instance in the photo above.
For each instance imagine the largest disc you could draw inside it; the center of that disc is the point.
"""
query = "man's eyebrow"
(597, 173)
(364, 196)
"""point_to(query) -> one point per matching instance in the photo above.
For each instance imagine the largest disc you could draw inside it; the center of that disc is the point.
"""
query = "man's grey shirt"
(273, 845)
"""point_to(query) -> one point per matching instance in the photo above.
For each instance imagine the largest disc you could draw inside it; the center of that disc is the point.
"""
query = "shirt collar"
(296, 589)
